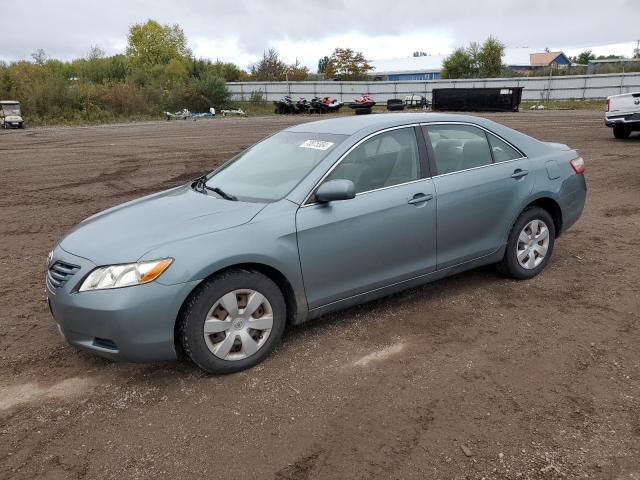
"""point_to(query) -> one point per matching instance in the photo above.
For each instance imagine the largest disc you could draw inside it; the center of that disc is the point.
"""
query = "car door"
(480, 181)
(385, 235)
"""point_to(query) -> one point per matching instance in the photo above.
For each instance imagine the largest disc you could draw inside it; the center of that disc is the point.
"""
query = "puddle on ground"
(13, 395)
(380, 354)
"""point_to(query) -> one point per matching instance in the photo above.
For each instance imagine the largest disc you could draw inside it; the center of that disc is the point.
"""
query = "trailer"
(505, 99)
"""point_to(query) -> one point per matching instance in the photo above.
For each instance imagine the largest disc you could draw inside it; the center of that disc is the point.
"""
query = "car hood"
(126, 232)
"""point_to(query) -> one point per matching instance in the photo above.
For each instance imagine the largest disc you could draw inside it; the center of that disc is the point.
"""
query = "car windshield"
(270, 169)
(11, 109)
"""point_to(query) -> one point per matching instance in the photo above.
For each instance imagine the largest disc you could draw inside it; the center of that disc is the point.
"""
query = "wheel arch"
(552, 207)
(268, 271)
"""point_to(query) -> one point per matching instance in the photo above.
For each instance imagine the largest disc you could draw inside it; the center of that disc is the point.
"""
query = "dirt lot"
(537, 379)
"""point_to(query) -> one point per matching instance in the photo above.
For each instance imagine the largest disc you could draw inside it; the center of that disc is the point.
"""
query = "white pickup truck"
(623, 114)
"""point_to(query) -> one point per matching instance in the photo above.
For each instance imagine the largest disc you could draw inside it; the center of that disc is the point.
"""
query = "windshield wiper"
(222, 193)
(200, 185)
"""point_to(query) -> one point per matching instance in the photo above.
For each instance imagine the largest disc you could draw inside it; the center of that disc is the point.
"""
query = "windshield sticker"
(317, 144)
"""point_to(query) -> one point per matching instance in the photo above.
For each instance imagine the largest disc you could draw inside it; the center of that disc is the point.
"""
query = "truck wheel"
(620, 131)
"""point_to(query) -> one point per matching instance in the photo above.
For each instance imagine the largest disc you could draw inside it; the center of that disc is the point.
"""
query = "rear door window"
(502, 151)
(458, 147)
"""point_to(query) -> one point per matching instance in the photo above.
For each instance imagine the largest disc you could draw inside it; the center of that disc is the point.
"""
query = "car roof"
(349, 125)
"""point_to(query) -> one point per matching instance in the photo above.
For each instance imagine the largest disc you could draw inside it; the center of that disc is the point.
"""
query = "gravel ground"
(472, 377)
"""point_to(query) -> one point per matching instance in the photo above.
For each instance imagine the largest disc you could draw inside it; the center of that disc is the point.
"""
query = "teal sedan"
(313, 219)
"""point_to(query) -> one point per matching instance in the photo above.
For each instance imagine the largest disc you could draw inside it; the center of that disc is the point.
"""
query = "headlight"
(116, 276)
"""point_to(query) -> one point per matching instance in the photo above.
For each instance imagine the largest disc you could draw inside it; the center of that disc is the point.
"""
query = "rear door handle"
(419, 198)
(520, 173)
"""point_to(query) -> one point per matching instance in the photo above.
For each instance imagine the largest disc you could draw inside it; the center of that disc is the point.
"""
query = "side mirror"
(335, 190)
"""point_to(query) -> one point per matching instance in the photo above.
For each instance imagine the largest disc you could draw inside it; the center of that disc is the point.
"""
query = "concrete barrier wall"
(535, 88)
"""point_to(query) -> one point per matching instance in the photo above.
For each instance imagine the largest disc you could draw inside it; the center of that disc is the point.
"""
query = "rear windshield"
(270, 169)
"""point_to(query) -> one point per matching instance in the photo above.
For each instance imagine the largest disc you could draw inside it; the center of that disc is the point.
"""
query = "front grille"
(59, 273)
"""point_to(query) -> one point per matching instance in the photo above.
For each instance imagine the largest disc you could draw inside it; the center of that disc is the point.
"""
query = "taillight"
(577, 164)
(606, 107)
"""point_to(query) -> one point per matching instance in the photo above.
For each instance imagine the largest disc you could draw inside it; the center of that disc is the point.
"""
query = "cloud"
(240, 30)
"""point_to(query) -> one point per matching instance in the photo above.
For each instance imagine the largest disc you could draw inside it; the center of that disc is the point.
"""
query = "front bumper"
(132, 323)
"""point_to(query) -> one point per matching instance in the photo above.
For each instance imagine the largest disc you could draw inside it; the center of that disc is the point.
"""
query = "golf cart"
(10, 116)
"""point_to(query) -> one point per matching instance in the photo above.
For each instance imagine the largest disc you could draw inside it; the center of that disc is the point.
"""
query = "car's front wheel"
(233, 321)
(530, 244)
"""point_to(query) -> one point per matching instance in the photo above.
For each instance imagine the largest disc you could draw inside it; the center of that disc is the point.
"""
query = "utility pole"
(636, 51)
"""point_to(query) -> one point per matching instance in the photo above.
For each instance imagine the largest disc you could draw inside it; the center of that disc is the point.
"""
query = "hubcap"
(238, 324)
(533, 244)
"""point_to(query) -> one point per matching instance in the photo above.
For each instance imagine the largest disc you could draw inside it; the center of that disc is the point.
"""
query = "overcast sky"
(239, 30)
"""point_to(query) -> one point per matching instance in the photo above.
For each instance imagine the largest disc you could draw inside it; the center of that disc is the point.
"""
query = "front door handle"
(419, 198)
(518, 173)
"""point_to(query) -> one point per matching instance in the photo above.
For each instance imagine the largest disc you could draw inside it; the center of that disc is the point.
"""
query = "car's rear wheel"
(233, 321)
(620, 131)
(530, 244)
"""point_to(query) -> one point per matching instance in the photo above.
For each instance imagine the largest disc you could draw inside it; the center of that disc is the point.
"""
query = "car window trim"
(356, 145)
(433, 164)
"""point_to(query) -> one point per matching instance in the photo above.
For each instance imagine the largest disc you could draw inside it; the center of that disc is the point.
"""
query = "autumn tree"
(154, 44)
(271, 68)
(345, 64)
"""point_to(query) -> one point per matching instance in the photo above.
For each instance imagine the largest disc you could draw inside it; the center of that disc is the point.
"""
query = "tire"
(529, 248)
(200, 308)
(620, 131)
(363, 111)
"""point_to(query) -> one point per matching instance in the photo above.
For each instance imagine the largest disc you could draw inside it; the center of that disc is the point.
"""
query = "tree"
(95, 53)
(154, 44)
(271, 68)
(489, 58)
(476, 60)
(322, 64)
(458, 64)
(296, 72)
(583, 58)
(39, 57)
(419, 53)
(345, 64)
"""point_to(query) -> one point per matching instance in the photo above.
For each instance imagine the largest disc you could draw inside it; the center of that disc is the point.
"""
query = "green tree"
(489, 58)
(458, 64)
(583, 58)
(345, 64)
(476, 60)
(322, 64)
(271, 68)
(154, 44)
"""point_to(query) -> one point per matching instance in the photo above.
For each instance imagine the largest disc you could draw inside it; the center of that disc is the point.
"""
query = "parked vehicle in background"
(416, 101)
(503, 99)
(395, 104)
(622, 113)
(10, 115)
(362, 105)
(325, 105)
(315, 218)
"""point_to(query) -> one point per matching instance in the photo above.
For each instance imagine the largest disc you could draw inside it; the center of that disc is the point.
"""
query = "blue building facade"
(398, 77)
